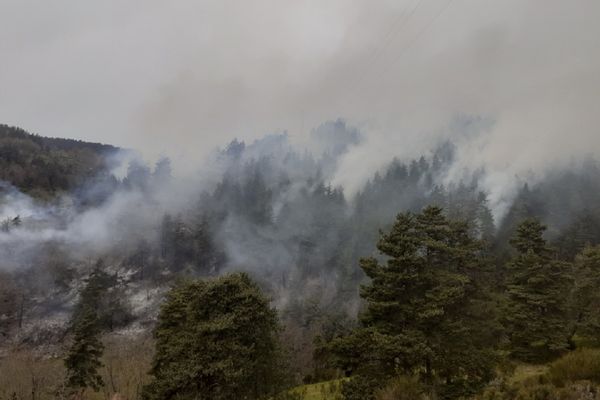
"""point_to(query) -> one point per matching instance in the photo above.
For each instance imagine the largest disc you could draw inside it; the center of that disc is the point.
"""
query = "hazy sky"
(181, 77)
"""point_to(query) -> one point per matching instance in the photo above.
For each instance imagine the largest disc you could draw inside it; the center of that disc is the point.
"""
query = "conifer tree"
(426, 313)
(215, 339)
(586, 296)
(538, 290)
(83, 359)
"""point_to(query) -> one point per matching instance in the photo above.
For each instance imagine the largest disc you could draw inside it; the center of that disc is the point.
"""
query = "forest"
(257, 278)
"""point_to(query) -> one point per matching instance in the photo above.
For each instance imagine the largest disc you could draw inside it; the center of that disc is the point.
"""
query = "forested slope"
(269, 209)
(43, 166)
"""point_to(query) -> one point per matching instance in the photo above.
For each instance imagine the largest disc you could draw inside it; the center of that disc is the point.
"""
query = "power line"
(424, 30)
(409, 44)
(395, 28)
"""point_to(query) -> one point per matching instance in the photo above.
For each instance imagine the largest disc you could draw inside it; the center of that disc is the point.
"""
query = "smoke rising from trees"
(176, 79)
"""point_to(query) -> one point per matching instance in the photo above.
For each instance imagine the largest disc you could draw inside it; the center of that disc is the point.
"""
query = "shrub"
(216, 339)
(359, 388)
(579, 365)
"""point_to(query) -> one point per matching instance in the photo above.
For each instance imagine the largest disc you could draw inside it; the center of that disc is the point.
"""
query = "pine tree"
(166, 237)
(215, 339)
(538, 288)
(485, 220)
(83, 359)
(586, 296)
(426, 313)
(206, 253)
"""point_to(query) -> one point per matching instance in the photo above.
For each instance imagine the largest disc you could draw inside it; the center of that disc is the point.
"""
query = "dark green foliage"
(537, 316)
(426, 312)
(99, 308)
(42, 166)
(369, 353)
(484, 221)
(583, 231)
(360, 387)
(83, 359)
(257, 198)
(586, 294)
(245, 193)
(103, 294)
(97, 285)
(567, 201)
(216, 339)
(189, 246)
(309, 325)
(527, 204)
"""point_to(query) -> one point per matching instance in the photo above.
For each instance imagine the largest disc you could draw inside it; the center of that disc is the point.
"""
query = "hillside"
(43, 166)
(269, 209)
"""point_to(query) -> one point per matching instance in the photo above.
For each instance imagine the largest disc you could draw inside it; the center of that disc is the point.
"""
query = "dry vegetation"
(27, 375)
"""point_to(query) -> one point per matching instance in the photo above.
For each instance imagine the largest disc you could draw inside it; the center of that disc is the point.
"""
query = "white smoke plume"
(181, 79)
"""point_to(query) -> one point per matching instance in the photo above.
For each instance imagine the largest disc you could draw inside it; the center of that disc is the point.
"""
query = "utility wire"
(355, 93)
(397, 25)
(422, 31)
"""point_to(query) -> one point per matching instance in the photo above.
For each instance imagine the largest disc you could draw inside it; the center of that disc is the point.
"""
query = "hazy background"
(180, 78)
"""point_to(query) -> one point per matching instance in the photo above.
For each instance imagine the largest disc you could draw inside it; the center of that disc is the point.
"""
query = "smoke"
(96, 220)
(178, 78)
(403, 77)
(113, 212)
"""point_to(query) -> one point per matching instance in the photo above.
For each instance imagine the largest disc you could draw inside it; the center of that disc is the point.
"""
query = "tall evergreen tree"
(538, 288)
(586, 296)
(215, 339)
(83, 359)
(484, 220)
(426, 313)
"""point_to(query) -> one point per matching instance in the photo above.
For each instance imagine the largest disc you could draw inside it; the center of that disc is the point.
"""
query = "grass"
(329, 390)
(525, 372)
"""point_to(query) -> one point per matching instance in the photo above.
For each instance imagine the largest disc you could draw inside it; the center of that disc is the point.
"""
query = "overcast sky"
(180, 77)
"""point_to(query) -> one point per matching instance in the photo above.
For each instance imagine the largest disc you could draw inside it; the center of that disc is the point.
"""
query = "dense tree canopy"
(425, 310)
(216, 339)
(538, 291)
(43, 166)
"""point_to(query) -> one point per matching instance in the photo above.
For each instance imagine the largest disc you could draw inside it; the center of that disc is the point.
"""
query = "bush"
(579, 365)
(216, 339)
(359, 388)
(574, 376)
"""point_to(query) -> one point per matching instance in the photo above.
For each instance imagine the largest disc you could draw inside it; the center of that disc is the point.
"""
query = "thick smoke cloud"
(183, 78)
